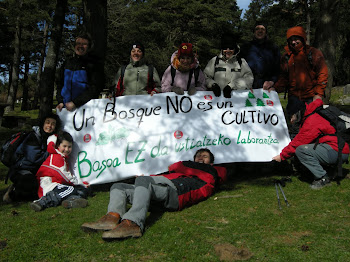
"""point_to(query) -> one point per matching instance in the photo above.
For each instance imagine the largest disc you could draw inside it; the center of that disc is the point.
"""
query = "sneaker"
(105, 223)
(320, 183)
(74, 202)
(126, 228)
(35, 205)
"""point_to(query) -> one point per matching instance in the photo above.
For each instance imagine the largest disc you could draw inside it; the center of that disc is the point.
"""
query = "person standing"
(137, 78)
(263, 58)
(304, 73)
(228, 71)
(184, 73)
(80, 76)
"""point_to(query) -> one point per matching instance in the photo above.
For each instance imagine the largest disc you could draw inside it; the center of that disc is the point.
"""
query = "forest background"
(38, 35)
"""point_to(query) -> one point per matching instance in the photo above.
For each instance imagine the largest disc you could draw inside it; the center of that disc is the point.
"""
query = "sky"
(243, 4)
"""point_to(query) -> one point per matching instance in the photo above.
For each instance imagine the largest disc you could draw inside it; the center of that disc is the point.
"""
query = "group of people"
(301, 72)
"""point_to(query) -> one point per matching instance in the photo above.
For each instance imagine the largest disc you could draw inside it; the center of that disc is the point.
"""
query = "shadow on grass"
(257, 173)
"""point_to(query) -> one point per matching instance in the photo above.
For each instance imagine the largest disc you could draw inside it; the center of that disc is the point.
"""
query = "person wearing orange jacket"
(304, 73)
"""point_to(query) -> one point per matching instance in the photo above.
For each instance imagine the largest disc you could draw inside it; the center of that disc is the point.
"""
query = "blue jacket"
(264, 61)
(79, 81)
(32, 152)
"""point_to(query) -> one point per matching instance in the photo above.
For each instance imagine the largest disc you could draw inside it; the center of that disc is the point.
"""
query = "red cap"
(185, 49)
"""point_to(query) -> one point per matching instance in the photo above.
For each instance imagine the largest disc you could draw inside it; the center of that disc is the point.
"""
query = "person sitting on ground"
(228, 71)
(80, 78)
(30, 155)
(312, 155)
(186, 183)
(135, 78)
(57, 184)
(184, 73)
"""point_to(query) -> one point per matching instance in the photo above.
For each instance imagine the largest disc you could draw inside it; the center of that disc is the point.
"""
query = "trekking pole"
(278, 197)
(284, 196)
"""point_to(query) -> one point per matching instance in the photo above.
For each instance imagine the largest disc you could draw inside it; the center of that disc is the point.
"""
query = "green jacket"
(136, 78)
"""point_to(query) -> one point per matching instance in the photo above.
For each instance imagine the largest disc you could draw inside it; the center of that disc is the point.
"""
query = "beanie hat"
(138, 45)
(185, 49)
(294, 105)
(260, 23)
(296, 31)
(228, 41)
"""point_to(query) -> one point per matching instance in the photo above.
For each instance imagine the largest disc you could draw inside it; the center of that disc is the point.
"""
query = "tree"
(40, 65)
(326, 36)
(11, 98)
(95, 22)
(48, 76)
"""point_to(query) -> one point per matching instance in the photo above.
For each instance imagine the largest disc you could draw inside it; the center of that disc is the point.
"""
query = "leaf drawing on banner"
(108, 137)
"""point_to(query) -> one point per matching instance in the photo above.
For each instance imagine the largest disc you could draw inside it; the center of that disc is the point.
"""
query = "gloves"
(177, 90)
(52, 138)
(227, 91)
(216, 89)
(192, 90)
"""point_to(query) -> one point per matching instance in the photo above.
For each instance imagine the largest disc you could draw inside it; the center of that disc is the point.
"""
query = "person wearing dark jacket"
(186, 183)
(80, 77)
(263, 58)
(313, 156)
(30, 154)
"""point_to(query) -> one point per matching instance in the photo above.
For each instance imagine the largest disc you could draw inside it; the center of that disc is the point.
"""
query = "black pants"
(25, 185)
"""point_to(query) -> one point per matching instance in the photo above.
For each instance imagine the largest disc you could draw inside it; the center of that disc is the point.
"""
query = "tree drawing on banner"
(248, 103)
(112, 135)
(259, 101)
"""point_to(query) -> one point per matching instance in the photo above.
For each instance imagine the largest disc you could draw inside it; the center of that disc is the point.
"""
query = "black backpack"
(341, 123)
(8, 149)
(192, 71)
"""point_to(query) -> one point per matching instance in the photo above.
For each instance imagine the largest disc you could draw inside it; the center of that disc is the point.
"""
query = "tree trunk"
(24, 106)
(95, 21)
(325, 38)
(40, 67)
(11, 98)
(48, 76)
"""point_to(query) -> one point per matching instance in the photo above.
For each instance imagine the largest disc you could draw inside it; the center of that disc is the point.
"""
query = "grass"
(241, 221)
(243, 214)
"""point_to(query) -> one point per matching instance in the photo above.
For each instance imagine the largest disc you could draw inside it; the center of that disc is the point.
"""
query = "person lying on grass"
(312, 154)
(186, 183)
(56, 183)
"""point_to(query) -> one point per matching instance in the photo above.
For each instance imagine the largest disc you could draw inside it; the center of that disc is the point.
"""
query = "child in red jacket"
(56, 183)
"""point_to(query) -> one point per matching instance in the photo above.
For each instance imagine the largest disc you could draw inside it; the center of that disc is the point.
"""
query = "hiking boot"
(105, 223)
(36, 206)
(126, 228)
(320, 183)
(74, 202)
(6, 198)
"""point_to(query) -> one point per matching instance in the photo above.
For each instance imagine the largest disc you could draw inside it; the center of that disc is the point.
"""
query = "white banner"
(146, 134)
